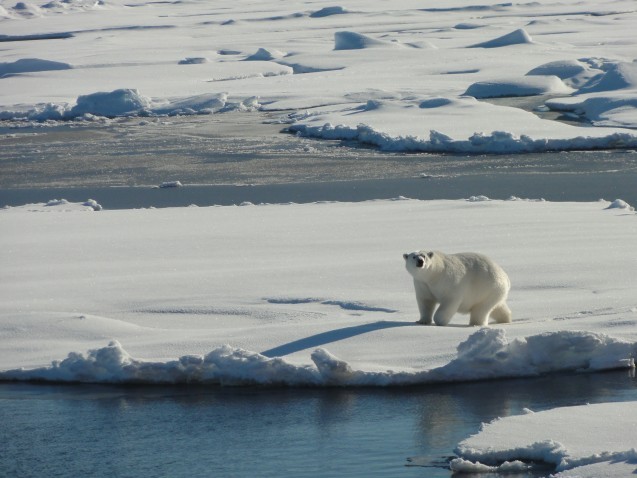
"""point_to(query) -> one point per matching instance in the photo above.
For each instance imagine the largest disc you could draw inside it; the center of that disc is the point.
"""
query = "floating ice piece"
(170, 184)
(56, 205)
(602, 433)
(479, 198)
(57, 202)
(517, 37)
(93, 204)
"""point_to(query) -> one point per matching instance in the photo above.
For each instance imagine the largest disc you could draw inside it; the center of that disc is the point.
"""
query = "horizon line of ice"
(485, 354)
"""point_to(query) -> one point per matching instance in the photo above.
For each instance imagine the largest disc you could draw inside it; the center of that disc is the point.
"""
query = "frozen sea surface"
(104, 431)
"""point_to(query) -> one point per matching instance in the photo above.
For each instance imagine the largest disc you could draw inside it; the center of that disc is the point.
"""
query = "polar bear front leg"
(426, 303)
(445, 312)
(426, 311)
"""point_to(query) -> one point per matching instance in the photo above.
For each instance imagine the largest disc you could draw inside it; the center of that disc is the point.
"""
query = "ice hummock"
(486, 354)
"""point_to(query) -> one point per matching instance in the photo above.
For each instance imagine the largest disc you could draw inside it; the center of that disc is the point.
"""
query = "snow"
(517, 37)
(527, 86)
(264, 54)
(65, 60)
(356, 41)
(285, 288)
(116, 103)
(26, 65)
(607, 99)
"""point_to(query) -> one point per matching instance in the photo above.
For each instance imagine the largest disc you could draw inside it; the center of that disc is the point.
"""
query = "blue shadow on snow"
(331, 336)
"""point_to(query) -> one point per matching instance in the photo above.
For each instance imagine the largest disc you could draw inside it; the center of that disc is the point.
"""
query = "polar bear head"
(418, 260)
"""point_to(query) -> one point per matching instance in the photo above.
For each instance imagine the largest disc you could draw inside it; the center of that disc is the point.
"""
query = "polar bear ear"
(430, 254)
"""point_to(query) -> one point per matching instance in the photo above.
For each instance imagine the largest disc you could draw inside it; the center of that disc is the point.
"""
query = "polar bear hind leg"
(479, 314)
(501, 313)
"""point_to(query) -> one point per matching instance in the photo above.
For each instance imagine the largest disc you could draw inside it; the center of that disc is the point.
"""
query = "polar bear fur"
(467, 283)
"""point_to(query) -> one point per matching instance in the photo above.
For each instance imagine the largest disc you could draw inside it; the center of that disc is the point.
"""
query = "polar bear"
(467, 283)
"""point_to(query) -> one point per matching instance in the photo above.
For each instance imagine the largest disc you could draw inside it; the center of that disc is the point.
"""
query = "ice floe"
(585, 441)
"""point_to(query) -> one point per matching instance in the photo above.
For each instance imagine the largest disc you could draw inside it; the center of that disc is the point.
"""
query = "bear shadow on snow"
(323, 338)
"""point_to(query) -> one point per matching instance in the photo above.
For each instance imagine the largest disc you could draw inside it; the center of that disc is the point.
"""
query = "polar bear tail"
(501, 313)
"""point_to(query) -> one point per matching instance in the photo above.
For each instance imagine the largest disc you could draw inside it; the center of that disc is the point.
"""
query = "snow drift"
(527, 86)
(517, 37)
(356, 41)
(486, 354)
(27, 65)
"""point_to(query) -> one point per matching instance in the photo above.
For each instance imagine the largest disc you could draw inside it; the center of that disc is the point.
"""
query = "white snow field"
(310, 294)
(404, 75)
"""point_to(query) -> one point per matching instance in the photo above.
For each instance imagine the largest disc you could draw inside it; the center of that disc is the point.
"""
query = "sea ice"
(329, 61)
(586, 441)
(287, 282)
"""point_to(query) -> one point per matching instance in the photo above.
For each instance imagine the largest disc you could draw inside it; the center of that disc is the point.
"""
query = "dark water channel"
(107, 431)
(553, 187)
(234, 158)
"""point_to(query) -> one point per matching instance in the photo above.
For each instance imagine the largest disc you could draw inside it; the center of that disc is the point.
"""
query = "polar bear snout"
(418, 260)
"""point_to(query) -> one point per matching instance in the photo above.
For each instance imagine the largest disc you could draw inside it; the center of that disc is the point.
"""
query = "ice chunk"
(120, 102)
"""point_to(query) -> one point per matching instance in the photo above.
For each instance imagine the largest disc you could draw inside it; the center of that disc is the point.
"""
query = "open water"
(108, 431)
